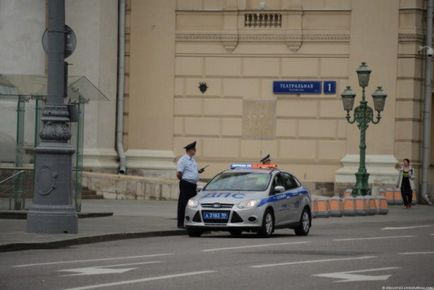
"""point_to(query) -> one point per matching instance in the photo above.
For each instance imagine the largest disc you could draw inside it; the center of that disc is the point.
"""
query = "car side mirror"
(199, 188)
(279, 189)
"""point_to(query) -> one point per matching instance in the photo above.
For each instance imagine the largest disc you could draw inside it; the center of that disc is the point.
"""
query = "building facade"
(238, 48)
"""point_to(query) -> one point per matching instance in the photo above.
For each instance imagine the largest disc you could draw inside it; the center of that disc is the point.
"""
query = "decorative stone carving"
(55, 131)
(259, 119)
(230, 41)
(55, 128)
(55, 111)
(47, 180)
(294, 41)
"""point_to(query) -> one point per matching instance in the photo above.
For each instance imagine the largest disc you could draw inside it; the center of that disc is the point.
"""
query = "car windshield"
(239, 181)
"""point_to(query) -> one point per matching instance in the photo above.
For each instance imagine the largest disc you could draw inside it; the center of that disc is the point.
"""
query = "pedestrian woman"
(406, 182)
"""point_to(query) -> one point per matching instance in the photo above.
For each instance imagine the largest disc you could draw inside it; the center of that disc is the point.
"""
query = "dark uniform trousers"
(187, 190)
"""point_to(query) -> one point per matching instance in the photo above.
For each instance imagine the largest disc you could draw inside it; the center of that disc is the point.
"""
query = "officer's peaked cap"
(266, 158)
(191, 146)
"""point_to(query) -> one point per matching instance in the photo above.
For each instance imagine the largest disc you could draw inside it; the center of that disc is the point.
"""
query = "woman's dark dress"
(406, 190)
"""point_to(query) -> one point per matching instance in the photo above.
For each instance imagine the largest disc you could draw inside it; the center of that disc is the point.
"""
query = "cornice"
(411, 37)
(261, 37)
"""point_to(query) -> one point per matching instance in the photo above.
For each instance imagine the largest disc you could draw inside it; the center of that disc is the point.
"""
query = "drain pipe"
(120, 94)
(426, 149)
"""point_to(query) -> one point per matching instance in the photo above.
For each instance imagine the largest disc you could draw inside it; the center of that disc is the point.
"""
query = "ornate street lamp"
(363, 115)
(52, 210)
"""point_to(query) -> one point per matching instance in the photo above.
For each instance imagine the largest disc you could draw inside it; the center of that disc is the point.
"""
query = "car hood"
(227, 196)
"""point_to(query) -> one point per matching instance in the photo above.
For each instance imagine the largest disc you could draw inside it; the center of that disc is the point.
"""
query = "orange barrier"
(413, 199)
(321, 208)
(336, 207)
(349, 209)
(377, 200)
(394, 197)
(389, 194)
(360, 205)
(349, 206)
(382, 205)
(314, 208)
(397, 198)
(371, 206)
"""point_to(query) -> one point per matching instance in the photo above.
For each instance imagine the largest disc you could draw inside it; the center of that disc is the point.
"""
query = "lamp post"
(363, 115)
(52, 210)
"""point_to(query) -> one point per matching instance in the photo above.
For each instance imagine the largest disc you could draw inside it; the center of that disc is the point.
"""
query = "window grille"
(263, 20)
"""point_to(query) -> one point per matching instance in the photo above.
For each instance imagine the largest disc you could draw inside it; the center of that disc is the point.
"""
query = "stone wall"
(113, 186)
(239, 118)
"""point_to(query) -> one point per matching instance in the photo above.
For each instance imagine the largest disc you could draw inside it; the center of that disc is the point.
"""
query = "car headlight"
(248, 203)
(192, 203)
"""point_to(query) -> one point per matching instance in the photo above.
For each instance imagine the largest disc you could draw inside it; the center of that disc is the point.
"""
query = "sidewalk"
(131, 219)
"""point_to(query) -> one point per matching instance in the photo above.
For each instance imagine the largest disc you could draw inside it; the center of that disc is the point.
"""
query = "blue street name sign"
(297, 87)
(304, 87)
(329, 87)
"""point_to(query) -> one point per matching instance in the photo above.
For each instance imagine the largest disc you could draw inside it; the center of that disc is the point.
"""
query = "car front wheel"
(267, 227)
(304, 226)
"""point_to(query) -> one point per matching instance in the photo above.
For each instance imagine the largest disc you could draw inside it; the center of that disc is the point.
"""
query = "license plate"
(215, 215)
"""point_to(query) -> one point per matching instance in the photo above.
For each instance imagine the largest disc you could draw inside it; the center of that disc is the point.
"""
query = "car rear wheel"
(194, 233)
(267, 227)
(304, 226)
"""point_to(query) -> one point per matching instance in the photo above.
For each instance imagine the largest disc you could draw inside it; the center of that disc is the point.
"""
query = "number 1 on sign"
(329, 87)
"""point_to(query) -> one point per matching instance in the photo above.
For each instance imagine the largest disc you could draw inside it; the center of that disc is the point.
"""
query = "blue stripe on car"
(281, 196)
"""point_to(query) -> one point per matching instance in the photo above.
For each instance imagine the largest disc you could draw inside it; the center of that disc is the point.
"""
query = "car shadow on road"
(248, 236)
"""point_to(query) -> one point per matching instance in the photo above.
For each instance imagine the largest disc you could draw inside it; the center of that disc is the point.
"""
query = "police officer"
(188, 176)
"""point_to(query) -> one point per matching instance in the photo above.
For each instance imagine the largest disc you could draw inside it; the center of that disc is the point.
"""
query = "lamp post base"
(362, 187)
(52, 220)
(53, 210)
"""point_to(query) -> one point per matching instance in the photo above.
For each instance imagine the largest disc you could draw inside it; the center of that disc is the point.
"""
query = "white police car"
(250, 197)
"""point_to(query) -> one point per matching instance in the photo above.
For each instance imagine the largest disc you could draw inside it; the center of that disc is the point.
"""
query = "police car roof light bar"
(241, 166)
(253, 166)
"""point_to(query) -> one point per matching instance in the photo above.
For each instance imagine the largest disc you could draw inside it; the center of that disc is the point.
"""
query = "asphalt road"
(374, 252)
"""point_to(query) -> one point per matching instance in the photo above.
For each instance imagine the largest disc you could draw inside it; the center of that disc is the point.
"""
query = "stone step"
(87, 193)
(96, 196)
(11, 194)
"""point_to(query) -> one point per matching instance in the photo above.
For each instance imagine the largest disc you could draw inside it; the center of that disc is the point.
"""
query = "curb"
(22, 214)
(88, 240)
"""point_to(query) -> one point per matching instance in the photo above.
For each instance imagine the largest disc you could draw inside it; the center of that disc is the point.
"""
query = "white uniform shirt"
(188, 167)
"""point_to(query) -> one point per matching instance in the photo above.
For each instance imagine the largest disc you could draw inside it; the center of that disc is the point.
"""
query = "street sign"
(329, 87)
(297, 87)
(70, 41)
